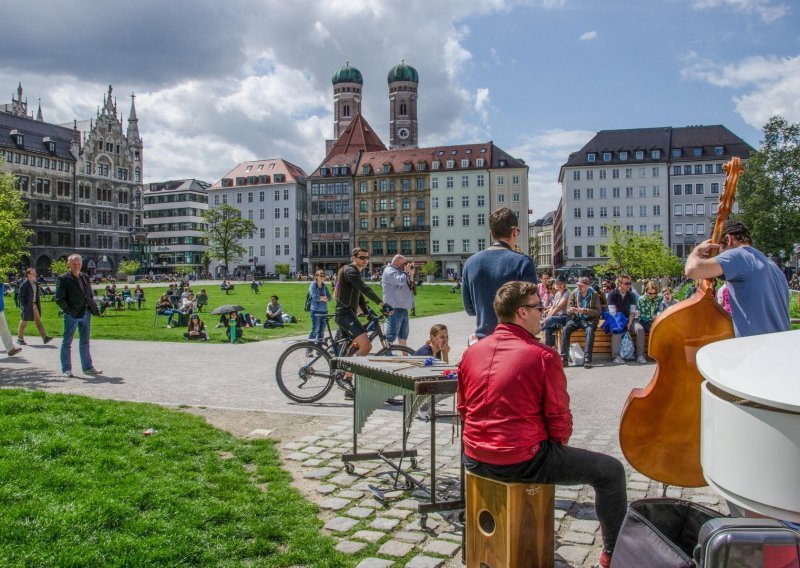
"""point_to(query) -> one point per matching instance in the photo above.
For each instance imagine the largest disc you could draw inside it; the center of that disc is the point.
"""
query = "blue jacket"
(318, 305)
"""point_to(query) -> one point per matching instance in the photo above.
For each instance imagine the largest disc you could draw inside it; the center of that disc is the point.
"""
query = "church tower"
(403, 128)
(347, 85)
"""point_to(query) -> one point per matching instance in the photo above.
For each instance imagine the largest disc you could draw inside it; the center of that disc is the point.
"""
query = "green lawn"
(139, 324)
(81, 485)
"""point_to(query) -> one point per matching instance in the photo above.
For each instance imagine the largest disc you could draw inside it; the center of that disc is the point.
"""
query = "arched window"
(346, 110)
(403, 111)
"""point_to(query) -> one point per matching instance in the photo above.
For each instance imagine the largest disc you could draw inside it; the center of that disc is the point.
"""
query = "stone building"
(174, 225)
(82, 182)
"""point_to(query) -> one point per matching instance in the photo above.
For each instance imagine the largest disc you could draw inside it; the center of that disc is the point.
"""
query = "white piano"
(750, 422)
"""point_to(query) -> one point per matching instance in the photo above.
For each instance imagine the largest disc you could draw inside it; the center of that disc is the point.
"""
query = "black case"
(660, 533)
(746, 542)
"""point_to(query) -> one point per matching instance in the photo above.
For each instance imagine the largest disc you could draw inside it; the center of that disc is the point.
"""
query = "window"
(591, 157)
(676, 152)
(677, 210)
(656, 210)
(449, 201)
(604, 212)
(277, 232)
(481, 201)
(576, 213)
(640, 154)
(603, 231)
(481, 244)
(689, 209)
(676, 170)
(250, 214)
(450, 164)
(590, 231)
(576, 194)
(606, 158)
(261, 213)
(714, 208)
(642, 210)
(628, 173)
(481, 219)
(435, 246)
(435, 221)
(589, 174)
(515, 180)
(480, 180)
(451, 245)
(451, 220)
(700, 209)
(642, 191)
(615, 173)
(578, 251)
(656, 191)
(501, 197)
(688, 189)
(615, 211)
(434, 202)
(449, 182)
(629, 228)
(677, 189)
(628, 192)
(590, 212)
(590, 251)
(285, 212)
(700, 229)
(261, 196)
(656, 172)
(603, 193)
(715, 187)
(602, 174)
(465, 245)
(689, 229)
(615, 192)
(589, 193)
(656, 228)
(464, 181)
(699, 189)
(623, 155)
(629, 211)
(576, 175)
(642, 228)
(465, 220)
(277, 195)
(577, 231)
(465, 201)
(687, 170)
(501, 180)
(464, 163)
(655, 154)
(277, 212)
(698, 169)
(434, 183)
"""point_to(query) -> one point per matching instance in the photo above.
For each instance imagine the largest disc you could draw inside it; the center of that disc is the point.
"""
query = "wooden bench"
(602, 341)
(509, 524)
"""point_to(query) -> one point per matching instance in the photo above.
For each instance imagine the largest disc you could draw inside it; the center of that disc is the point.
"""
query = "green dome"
(403, 72)
(347, 74)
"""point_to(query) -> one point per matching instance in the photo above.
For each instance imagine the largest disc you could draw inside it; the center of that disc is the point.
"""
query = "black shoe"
(349, 394)
(565, 363)
(47, 340)
(394, 402)
(587, 364)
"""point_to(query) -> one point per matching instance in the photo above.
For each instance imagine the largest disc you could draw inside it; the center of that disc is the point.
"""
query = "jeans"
(637, 331)
(550, 326)
(317, 326)
(397, 325)
(84, 326)
(564, 465)
(588, 327)
(5, 334)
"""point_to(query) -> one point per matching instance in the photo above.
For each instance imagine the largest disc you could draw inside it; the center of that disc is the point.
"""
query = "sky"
(218, 83)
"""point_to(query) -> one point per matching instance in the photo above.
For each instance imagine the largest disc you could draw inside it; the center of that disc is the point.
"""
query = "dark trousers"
(588, 327)
(558, 464)
(550, 326)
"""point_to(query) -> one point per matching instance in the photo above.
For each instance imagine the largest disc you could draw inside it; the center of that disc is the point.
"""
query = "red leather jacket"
(512, 395)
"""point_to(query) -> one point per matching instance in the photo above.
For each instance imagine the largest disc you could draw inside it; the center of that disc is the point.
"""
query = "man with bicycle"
(350, 297)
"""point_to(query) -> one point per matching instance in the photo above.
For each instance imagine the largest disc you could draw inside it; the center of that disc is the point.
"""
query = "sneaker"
(642, 360)
(21, 341)
(605, 560)
(565, 363)
(14, 351)
(309, 353)
(67, 374)
(618, 361)
(587, 364)
(47, 340)
(349, 394)
(93, 372)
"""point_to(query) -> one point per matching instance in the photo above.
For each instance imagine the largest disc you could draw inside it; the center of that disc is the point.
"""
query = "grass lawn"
(138, 324)
(81, 485)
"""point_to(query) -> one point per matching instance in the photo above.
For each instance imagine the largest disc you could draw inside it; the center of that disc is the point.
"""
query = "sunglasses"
(539, 306)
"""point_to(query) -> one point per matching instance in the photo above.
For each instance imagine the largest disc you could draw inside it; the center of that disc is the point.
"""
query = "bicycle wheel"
(304, 372)
(395, 350)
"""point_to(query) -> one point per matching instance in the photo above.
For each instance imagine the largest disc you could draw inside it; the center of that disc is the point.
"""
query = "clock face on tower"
(403, 133)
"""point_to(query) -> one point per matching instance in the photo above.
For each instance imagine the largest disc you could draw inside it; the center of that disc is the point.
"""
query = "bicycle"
(303, 371)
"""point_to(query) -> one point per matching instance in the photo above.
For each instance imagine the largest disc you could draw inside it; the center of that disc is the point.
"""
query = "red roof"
(357, 137)
(257, 168)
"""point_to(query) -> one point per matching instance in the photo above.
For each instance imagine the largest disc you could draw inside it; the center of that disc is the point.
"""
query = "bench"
(226, 290)
(508, 524)
(602, 341)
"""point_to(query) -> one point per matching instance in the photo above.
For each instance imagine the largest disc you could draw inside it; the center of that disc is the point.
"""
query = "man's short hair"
(357, 250)
(737, 230)
(76, 255)
(502, 223)
(510, 296)
(585, 280)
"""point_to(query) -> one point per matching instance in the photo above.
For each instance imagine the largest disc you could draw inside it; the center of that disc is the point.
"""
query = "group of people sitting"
(119, 299)
(622, 309)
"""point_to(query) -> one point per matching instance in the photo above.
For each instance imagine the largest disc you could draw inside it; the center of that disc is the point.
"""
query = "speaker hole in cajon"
(486, 522)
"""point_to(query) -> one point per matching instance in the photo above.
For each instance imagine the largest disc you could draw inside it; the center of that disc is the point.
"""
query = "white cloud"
(481, 105)
(772, 85)
(767, 10)
(495, 56)
(588, 36)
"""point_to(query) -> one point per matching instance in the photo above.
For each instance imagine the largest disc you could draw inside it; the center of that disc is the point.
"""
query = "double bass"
(659, 430)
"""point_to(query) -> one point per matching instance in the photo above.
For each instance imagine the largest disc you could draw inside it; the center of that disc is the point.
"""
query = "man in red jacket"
(512, 396)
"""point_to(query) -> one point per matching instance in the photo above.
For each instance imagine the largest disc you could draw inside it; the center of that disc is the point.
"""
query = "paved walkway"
(239, 379)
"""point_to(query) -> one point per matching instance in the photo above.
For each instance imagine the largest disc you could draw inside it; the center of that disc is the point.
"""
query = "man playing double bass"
(759, 294)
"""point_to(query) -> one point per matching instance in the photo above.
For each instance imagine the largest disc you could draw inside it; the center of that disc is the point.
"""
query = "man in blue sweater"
(486, 271)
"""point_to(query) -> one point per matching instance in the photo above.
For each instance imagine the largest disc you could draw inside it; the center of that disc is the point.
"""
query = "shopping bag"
(626, 347)
(576, 354)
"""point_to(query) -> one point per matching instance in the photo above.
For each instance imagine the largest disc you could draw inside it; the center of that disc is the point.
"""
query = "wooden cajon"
(509, 525)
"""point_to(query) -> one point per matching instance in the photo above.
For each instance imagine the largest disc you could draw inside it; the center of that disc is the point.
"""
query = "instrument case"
(746, 542)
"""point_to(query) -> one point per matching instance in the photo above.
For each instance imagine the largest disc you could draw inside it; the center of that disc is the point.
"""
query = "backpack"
(307, 307)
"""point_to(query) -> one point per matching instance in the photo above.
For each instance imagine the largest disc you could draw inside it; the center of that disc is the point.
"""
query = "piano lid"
(760, 368)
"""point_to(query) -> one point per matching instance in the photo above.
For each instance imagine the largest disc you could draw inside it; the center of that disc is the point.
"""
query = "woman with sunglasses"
(649, 305)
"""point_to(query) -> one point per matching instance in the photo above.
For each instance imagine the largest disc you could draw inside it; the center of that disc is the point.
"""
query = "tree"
(638, 255)
(768, 193)
(59, 266)
(225, 231)
(183, 269)
(129, 267)
(14, 237)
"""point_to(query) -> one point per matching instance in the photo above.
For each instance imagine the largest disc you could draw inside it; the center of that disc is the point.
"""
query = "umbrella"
(227, 308)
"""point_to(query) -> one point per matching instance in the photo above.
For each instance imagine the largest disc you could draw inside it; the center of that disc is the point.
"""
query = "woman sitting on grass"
(196, 329)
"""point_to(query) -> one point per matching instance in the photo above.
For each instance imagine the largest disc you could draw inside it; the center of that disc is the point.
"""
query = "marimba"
(380, 378)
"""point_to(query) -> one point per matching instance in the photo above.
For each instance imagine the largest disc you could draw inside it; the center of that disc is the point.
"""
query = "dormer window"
(50, 144)
(387, 168)
(344, 170)
(450, 164)
(248, 168)
(655, 154)
(365, 170)
(465, 163)
(435, 164)
(323, 171)
(441, 153)
(623, 155)
(719, 150)
(502, 163)
(421, 166)
(468, 151)
(697, 152)
(606, 156)
(479, 162)
(591, 157)
(453, 152)
(336, 170)
(640, 154)
(676, 152)
(407, 167)
(18, 137)
(483, 150)
(279, 178)
(263, 179)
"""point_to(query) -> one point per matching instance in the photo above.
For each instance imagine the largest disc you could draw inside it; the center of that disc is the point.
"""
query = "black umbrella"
(227, 308)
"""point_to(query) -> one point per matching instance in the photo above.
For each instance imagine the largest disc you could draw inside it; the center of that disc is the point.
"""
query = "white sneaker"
(641, 359)
(618, 361)
(67, 374)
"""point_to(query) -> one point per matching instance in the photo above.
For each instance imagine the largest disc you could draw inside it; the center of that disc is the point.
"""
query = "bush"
(281, 268)
(430, 268)
(129, 267)
(58, 267)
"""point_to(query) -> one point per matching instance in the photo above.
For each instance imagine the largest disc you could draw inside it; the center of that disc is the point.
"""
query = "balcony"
(413, 228)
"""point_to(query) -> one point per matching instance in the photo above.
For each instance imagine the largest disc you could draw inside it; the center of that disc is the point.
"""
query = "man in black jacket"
(350, 293)
(74, 297)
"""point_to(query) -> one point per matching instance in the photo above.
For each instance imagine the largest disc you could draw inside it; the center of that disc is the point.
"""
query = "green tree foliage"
(640, 256)
(129, 267)
(58, 267)
(769, 189)
(14, 238)
(183, 269)
(225, 232)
